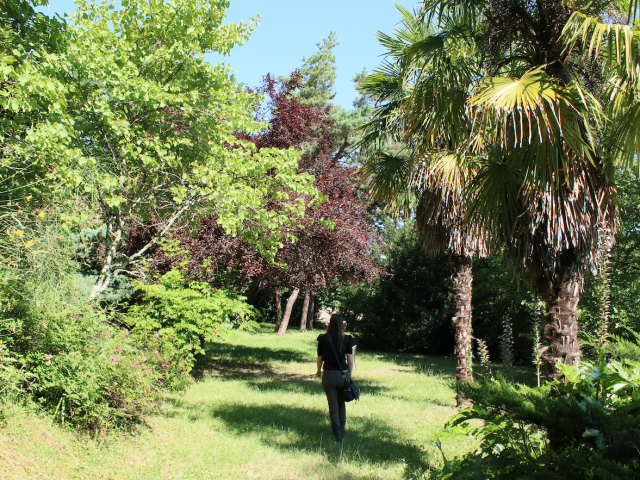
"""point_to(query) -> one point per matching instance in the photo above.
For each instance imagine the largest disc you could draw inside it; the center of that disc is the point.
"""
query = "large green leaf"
(534, 110)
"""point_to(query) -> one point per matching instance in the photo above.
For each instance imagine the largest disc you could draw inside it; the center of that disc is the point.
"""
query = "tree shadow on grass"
(265, 377)
(255, 354)
(300, 428)
(242, 360)
(307, 384)
(428, 364)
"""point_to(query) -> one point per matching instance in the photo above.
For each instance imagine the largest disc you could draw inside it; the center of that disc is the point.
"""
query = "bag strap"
(344, 377)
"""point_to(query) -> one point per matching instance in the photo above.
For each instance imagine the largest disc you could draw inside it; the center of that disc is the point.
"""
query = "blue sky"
(290, 29)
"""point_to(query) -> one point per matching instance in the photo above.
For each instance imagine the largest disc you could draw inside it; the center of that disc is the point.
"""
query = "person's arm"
(350, 363)
(319, 364)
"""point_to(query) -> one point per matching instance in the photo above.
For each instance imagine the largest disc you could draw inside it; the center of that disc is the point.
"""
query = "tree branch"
(167, 227)
(339, 154)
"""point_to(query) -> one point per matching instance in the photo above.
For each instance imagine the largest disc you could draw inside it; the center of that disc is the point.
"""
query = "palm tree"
(544, 189)
(413, 176)
(500, 84)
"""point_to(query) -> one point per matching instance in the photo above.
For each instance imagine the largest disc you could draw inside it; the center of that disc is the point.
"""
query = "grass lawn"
(255, 411)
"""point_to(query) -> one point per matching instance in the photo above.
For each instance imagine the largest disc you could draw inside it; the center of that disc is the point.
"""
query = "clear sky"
(290, 29)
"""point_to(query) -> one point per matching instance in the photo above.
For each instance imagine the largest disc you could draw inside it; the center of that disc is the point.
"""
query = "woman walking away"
(331, 345)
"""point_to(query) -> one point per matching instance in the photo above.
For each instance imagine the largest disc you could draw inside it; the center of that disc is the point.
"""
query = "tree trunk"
(116, 229)
(278, 310)
(462, 279)
(287, 311)
(561, 322)
(305, 312)
(113, 242)
(312, 312)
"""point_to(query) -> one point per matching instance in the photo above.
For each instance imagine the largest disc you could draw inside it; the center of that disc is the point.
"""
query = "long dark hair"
(336, 325)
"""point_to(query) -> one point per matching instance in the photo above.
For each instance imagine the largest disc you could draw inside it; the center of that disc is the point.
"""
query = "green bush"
(586, 428)
(97, 384)
(56, 348)
(181, 317)
(76, 365)
(497, 294)
(624, 277)
(411, 304)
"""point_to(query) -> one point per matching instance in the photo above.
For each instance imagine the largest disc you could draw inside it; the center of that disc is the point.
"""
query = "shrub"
(588, 428)
(76, 365)
(56, 348)
(411, 304)
(97, 384)
(180, 317)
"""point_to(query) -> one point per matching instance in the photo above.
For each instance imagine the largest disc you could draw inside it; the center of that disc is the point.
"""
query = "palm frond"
(534, 110)
(459, 11)
(438, 110)
(386, 178)
(442, 180)
(617, 43)
(494, 200)
(624, 140)
(447, 171)
(386, 86)
(534, 222)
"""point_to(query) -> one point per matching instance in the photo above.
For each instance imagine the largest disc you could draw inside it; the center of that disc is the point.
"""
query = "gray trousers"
(333, 384)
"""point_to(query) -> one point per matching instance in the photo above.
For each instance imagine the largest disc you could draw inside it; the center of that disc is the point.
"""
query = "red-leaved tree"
(321, 256)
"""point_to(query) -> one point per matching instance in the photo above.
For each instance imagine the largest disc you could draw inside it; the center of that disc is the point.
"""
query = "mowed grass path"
(256, 411)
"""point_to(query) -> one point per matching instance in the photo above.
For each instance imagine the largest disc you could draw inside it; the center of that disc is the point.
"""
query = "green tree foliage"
(110, 119)
(56, 349)
(539, 115)
(350, 121)
(131, 115)
(496, 294)
(319, 73)
(189, 313)
(625, 269)
(409, 308)
(414, 297)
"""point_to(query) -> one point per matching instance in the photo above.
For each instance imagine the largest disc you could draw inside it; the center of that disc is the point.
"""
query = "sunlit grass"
(256, 411)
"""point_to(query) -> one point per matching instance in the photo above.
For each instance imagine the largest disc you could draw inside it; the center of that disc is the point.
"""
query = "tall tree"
(146, 128)
(287, 311)
(332, 241)
(321, 255)
(311, 313)
(425, 176)
(305, 311)
(528, 113)
(319, 74)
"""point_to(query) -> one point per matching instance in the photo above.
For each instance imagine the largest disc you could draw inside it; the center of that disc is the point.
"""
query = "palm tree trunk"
(312, 312)
(562, 319)
(287, 312)
(278, 310)
(462, 280)
(305, 312)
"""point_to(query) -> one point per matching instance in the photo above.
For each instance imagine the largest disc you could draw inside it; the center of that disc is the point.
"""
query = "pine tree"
(319, 73)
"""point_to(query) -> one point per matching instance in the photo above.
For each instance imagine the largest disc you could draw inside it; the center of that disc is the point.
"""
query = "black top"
(328, 357)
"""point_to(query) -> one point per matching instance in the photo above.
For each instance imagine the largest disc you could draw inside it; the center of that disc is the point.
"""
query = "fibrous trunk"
(305, 312)
(287, 312)
(462, 279)
(561, 323)
(278, 310)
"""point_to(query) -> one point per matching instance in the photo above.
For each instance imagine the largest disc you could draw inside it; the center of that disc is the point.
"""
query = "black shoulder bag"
(349, 390)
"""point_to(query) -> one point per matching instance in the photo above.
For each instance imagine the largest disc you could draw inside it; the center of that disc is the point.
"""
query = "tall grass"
(256, 411)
